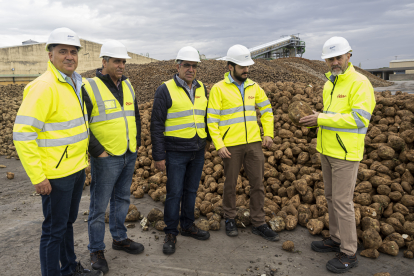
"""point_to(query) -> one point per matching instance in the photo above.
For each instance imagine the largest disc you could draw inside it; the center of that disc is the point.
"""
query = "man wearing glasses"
(348, 100)
(180, 137)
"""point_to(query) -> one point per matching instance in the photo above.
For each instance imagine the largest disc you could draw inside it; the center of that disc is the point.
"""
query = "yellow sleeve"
(262, 101)
(30, 120)
(213, 116)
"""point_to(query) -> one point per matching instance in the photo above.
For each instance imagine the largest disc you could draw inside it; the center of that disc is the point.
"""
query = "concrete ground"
(404, 86)
(247, 254)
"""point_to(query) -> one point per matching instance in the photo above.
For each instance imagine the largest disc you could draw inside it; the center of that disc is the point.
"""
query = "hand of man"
(224, 153)
(103, 154)
(44, 187)
(267, 141)
(311, 120)
(160, 165)
(207, 147)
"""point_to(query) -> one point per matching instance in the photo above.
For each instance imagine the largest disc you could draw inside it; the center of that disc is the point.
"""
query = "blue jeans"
(60, 209)
(111, 182)
(184, 170)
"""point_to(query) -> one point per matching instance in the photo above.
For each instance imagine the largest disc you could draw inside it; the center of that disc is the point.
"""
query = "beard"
(340, 71)
(240, 77)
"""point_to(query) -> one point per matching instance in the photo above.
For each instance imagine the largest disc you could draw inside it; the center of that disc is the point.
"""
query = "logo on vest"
(197, 97)
(340, 96)
(251, 97)
(128, 103)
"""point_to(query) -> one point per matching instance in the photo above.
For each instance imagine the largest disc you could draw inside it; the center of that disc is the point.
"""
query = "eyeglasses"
(187, 66)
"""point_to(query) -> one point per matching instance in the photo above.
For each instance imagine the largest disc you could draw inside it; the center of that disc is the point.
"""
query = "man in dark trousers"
(114, 138)
(179, 138)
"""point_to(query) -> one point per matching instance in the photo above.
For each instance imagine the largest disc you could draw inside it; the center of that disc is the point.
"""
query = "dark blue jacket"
(161, 143)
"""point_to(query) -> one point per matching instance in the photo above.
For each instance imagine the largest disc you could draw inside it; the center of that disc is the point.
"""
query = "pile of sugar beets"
(294, 188)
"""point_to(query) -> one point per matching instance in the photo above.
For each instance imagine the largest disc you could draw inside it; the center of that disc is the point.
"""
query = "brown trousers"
(252, 158)
(339, 177)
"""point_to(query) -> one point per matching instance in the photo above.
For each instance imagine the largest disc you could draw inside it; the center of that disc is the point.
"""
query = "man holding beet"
(348, 99)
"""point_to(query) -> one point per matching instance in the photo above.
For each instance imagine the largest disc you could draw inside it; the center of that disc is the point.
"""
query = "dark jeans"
(184, 170)
(111, 182)
(60, 209)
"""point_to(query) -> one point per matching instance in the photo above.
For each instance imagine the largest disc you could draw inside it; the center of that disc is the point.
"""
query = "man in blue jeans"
(51, 137)
(114, 137)
(179, 138)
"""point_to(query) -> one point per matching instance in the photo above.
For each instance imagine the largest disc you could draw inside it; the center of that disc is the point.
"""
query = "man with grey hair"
(348, 99)
(115, 137)
(51, 138)
(179, 137)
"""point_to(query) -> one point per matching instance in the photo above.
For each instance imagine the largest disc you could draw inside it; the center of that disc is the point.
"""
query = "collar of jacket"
(248, 82)
(179, 84)
(106, 77)
(349, 71)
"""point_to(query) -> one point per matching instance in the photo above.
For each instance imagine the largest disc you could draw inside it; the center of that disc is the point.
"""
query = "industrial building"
(24, 63)
(399, 70)
(287, 46)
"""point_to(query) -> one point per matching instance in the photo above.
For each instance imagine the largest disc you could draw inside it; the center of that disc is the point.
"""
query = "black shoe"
(195, 232)
(129, 246)
(326, 245)
(169, 244)
(231, 228)
(342, 263)
(267, 233)
(98, 262)
(80, 271)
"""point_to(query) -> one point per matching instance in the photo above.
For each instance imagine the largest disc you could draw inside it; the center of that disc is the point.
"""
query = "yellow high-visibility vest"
(231, 120)
(113, 125)
(185, 119)
(348, 101)
(51, 129)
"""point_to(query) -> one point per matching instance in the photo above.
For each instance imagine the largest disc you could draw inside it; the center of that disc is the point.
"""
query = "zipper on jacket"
(341, 144)
(333, 88)
(225, 133)
(244, 115)
(66, 151)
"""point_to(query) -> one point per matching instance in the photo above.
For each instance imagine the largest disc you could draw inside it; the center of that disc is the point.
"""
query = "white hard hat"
(188, 53)
(240, 55)
(63, 36)
(114, 49)
(335, 46)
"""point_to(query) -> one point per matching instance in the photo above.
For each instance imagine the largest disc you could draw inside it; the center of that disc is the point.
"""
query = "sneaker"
(98, 262)
(80, 271)
(195, 232)
(231, 228)
(128, 245)
(342, 263)
(326, 245)
(169, 244)
(267, 233)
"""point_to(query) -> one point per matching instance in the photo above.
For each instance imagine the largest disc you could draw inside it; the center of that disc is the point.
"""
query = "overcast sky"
(377, 30)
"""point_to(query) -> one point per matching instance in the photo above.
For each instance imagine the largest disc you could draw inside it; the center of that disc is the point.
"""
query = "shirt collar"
(182, 82)
(75, 76)
(233, 81)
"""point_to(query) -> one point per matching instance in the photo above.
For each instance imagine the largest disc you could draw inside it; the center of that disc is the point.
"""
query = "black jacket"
(161, 143)
(95, 148)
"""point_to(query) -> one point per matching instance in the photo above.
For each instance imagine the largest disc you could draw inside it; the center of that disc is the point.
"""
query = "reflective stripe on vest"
(349, 130)
(184, 118)
(31, 121)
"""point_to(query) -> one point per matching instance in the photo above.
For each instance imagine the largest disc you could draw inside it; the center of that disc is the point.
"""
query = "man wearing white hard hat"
(179, 139)
(115, 131)
(348, 99)
(51, 137)
(232, 122)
